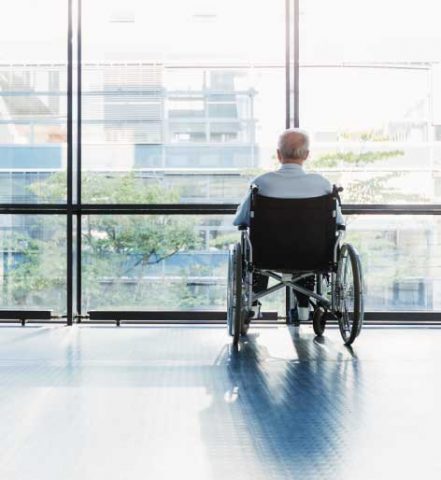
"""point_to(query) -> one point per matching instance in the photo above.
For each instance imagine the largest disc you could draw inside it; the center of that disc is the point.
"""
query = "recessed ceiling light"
(122, 16)
(204, 16)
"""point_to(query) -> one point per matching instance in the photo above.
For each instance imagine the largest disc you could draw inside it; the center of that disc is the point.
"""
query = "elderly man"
(289, 181)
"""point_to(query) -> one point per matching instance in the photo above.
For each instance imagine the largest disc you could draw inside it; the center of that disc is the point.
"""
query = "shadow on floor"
(283, 418)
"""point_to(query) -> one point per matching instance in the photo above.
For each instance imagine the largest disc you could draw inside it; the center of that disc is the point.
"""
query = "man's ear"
(306, 155)
(279, 156)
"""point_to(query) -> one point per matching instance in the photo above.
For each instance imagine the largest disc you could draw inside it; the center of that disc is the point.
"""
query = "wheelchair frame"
(326, 307)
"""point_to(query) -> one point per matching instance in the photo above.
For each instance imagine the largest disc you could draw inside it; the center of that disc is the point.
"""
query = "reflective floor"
(175, 402)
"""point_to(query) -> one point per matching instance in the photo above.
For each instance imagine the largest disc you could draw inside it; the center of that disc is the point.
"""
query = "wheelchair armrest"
(336, 189)
(242, 227)
(341, 227)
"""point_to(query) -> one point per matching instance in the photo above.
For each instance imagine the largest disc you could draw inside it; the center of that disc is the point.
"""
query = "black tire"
(319, 321)
(237, 316)
(245, 324)
(234, 294)
(230, 290)
(349, 294)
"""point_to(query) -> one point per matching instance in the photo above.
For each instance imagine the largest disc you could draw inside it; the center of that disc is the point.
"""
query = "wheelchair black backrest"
(293, 234)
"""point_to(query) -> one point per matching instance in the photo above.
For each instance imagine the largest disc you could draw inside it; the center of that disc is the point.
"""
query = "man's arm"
(243, 211)
(340, 219)
(329, 189)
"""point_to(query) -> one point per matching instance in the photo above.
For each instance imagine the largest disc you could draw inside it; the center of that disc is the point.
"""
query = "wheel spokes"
(346, 294)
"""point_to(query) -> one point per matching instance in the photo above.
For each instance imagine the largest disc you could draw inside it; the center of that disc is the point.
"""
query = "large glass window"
(183, 104)
(33, 100)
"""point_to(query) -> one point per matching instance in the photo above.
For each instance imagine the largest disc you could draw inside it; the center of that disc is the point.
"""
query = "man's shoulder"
(262, 178)
(272, 177)
(316, 177)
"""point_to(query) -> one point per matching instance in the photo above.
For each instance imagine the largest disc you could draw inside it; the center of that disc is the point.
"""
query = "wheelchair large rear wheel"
(234, 293)
(230, 289)
(349, 294)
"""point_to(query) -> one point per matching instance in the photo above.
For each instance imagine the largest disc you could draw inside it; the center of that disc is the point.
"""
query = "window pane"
(370, 97)
(33, 101)
(180, 262)
(33, 262)
(156, 261)
(401, 260)
(185, 102)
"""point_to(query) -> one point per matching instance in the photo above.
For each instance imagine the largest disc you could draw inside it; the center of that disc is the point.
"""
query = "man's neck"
(299, 163)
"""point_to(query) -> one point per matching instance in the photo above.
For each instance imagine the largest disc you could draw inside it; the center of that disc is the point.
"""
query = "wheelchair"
(289, 240)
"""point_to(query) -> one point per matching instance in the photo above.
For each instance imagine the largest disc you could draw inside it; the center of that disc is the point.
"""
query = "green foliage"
(364, 186)
(355, 159)
(365, 135)
(119, 251)
(377, 188)
(222, 241)
(32, 264)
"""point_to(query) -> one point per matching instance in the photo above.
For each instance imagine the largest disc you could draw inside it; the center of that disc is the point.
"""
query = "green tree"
(364, 186)
(121, 253)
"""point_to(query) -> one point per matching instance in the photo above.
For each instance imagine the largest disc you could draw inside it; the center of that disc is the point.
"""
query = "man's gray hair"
(294, 150)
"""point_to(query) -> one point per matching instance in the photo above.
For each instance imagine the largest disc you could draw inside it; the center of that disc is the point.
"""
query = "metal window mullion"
(288, 294)
(199, 209)
(69, 176)
(79, 161)
(287, 64)
(296, 65)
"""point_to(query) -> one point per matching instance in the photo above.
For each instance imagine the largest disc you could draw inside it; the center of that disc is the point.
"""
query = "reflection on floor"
(175, 402)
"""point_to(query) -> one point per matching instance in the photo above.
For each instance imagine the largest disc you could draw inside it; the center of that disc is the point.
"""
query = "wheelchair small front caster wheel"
(293, 317)
(246, 322)
(319, 321)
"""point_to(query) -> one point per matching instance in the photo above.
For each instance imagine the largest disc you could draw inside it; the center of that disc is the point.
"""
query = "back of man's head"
(293, 146)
